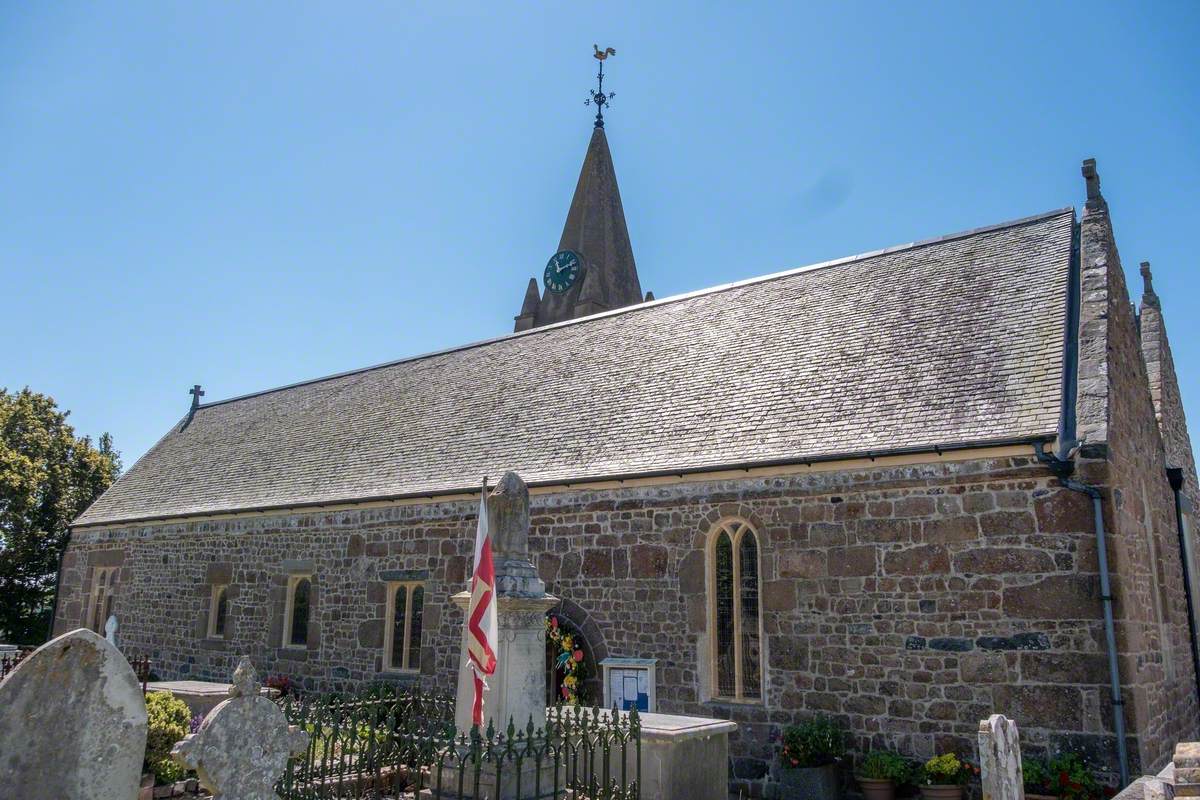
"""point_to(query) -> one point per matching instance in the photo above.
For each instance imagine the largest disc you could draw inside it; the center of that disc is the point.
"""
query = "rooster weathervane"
(598, 97)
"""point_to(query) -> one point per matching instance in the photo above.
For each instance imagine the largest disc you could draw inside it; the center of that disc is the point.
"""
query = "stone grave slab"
(201, 696)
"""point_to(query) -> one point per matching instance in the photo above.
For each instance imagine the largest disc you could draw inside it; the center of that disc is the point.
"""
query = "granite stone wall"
(1129, 464)
(909, 602)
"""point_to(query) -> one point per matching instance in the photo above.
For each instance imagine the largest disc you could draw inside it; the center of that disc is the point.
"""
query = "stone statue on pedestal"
(517, 691)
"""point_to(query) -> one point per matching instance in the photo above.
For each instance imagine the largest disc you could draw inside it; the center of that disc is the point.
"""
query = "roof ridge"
(658, 302)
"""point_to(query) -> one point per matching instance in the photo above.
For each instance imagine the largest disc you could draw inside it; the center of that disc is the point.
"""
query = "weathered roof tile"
(957, 340)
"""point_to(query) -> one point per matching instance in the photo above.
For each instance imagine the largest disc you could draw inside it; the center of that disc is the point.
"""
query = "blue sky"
(245, 195)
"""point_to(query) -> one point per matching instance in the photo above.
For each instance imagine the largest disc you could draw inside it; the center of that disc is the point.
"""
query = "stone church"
(906, 489)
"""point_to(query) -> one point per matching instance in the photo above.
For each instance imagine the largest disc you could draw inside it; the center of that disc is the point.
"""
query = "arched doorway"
(574, 649)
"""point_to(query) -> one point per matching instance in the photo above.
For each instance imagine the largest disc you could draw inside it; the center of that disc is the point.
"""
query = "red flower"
(554, 622)
(577, 655)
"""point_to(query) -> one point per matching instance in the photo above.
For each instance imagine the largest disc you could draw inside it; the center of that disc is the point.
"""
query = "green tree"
(48, 476)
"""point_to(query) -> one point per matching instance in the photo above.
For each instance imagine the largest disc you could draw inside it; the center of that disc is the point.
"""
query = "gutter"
(568, 482)
(1062, 469)
(1067, 421)
(1175, 477)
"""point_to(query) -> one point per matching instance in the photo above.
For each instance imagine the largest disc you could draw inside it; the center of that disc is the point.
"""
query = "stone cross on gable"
(196, 392)
(242, 747)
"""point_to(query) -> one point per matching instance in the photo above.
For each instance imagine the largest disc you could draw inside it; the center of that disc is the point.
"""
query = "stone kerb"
(1187, 769)
(1000, 759)
(72, 722)
(242, 747)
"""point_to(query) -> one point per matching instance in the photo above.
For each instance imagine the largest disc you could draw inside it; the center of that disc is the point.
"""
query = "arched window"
(218, 612)
(104, 581)
(299, 607)
(734, 611)
(402, 647)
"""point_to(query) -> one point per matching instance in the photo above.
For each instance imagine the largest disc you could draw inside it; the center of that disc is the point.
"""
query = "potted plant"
(881, 772)
(810, 762)
(942, 777)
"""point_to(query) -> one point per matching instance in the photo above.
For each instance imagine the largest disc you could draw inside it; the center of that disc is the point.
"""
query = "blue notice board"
(629, 683)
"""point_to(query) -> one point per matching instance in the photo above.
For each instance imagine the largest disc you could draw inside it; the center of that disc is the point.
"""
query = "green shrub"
(813, 744)
(882, 765)
(1036, 776)
(1070, 778)
(946, 769)
(168, 718)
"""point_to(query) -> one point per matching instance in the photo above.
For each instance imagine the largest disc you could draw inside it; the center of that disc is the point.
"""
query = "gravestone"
(72, 723)
(110, 629)
(242, 747)
(1000, 759)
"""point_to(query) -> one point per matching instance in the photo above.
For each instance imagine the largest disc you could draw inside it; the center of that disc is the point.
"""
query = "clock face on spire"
(561, 271)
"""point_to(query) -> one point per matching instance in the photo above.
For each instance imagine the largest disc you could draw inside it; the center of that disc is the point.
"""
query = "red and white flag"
(481, 613)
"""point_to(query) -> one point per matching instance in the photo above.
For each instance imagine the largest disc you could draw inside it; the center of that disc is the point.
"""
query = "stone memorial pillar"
(1000, 759)
(518, 689)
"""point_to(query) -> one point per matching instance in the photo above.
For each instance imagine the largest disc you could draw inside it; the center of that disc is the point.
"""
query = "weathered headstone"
(72, 722)
(1000, 759)
(242, 747)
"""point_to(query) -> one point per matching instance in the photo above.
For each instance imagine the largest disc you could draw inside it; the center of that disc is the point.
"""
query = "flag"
(481, 613)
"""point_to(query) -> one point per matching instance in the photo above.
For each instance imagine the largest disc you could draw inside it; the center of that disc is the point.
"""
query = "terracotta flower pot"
(941, 791)
(877, 789)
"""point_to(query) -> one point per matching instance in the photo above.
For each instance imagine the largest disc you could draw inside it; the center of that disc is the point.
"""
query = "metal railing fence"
(383, 743)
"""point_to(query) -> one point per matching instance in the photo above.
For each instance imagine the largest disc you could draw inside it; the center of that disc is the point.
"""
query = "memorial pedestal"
(517, 691)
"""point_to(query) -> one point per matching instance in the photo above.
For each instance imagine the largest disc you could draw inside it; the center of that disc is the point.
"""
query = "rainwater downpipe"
(1062, 468)
(1175, 477)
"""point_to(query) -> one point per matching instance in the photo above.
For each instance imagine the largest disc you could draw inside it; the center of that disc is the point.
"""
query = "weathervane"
(598, 97)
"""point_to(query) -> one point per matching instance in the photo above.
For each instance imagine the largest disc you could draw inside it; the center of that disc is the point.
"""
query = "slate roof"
(954, 341)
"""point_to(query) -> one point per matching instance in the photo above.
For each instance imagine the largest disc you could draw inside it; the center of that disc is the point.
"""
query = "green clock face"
(561, 271)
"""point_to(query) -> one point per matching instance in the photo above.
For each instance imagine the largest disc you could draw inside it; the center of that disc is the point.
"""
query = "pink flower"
(578, 655)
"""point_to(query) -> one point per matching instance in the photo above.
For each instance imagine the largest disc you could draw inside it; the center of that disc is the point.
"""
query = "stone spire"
(595, 229)
(529, 308)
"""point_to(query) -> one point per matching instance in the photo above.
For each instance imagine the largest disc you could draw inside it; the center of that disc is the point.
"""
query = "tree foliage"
(48, 476)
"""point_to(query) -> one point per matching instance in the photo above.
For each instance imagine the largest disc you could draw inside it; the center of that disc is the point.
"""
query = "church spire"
(594, 254)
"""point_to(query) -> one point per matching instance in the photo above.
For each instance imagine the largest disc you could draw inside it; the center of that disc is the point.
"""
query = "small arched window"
(299, 609)
(734, 611)
(402, 648)
(218, 612)
(104, 581)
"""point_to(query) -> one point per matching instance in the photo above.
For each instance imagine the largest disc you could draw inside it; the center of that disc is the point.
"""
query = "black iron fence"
(384, 743)
(10, 659)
